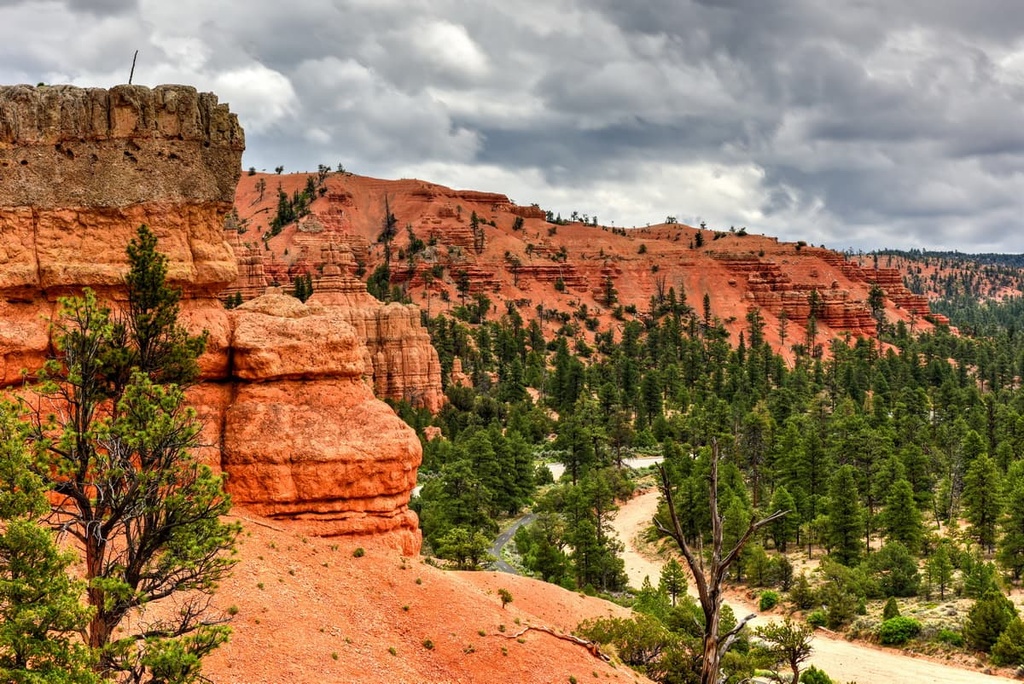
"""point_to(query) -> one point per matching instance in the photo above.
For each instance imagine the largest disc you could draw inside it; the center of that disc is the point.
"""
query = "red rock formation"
(80, 170)
(399, 358)
(340, 462)
(400, 361)
(523, 258)
(285, 403)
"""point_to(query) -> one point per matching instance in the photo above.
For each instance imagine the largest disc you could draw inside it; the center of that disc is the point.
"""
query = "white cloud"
(262, 97)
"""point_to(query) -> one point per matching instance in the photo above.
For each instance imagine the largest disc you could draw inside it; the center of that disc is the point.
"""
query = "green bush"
(891, 609)
(801, 593)
(769, 599)
(817, 618)
(950, 637)
(813, 675)
(1009, 647)
(898, 630)
(988, 618)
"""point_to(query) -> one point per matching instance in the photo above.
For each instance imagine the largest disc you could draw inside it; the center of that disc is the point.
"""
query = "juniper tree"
(125, 485)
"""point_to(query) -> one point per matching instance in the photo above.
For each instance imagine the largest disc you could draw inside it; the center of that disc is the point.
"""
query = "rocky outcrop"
(80, 171)
(288, 414)
(82, 168)
(773, 290)
(339, 462)
(400, 361)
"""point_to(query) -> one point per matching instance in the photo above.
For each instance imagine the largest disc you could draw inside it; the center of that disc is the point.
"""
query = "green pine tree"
(982, 500)
(1009, 647)
(1011, 546)
(901, 519)
(784, 530)
(40, 611)
(940, 569)
(673, 580)
(119, 459)
(988, 618)
(845, 518)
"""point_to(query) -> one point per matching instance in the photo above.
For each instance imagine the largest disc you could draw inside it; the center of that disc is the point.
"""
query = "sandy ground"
(842, 660)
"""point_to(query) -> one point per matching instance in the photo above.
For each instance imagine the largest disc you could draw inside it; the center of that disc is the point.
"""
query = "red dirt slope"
(308, 611)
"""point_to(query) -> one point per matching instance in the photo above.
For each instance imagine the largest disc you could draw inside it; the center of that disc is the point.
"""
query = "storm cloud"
(856, 124)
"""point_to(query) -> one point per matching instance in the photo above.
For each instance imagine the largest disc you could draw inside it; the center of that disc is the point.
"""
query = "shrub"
(1009, 647)
(891, 609)
(359, 552)
(769, 599)
(801, 593)
(950, 637)
(815, 676)
(817, 618)
(988, 618)
(898, 630)
(428, 644)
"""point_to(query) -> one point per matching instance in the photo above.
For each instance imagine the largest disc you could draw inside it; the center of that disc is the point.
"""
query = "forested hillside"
(899, 459)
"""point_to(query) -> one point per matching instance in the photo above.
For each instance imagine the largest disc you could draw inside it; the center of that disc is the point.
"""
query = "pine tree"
(40, 612)
(784, 530)
(1009, 647)
(982, 500)
(1011, 546)
(988, 618)
(845, 518)
(788, 642)
(119, 460)
(673, 580)
(901, 520)
(940, 569)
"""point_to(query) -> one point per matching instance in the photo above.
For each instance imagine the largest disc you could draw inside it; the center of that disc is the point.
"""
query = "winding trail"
(499, 563)
(842, 660)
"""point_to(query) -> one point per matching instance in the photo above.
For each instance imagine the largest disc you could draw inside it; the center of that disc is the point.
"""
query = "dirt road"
(842, 660)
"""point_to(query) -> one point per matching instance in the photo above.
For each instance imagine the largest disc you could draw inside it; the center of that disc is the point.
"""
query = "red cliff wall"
(291, 419)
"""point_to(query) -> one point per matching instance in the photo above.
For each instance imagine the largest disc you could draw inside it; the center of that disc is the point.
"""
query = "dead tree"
(709, 575)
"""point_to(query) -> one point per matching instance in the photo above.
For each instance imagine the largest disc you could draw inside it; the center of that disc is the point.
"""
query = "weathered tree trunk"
(709, 577)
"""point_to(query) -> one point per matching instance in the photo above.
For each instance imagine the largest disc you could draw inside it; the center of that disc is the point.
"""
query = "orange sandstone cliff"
(287, 412)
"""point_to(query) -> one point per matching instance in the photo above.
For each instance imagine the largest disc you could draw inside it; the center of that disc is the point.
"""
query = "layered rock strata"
(287, 413)
(304, 439)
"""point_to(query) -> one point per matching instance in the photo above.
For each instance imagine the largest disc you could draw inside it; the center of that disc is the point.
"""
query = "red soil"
(309, 611)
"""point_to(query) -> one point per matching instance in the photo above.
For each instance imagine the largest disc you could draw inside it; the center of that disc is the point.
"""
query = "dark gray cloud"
(863, 123)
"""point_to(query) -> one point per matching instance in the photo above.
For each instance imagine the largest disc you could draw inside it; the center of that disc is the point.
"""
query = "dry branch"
(589, 645)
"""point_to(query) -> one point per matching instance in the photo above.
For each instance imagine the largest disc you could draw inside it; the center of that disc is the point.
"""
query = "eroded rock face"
(304, 438)
(400, 362)
(80, 171)
(287, 412)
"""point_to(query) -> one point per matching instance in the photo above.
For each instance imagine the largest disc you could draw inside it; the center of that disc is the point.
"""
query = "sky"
(857, 124)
